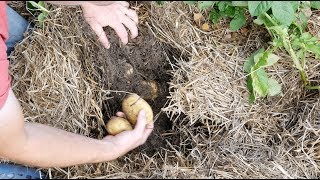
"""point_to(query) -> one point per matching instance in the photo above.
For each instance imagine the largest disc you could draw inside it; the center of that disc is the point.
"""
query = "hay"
(222, 134)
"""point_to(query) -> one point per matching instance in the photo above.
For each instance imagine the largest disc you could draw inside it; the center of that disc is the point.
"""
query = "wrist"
(109, 150)
(96, 3)
(85, 4)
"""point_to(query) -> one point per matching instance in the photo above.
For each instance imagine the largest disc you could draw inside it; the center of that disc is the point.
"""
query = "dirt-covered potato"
(153, 87)
(117, 124)
(131, 106)
(129, 70)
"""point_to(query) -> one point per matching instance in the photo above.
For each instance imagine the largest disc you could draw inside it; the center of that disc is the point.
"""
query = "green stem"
(312, 87)
(304, 78)
(296, 61)
(272, 21)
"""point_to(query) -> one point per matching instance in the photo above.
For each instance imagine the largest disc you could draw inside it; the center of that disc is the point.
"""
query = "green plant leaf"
(265, 59)
(300, 54)
(274, 87)
(314, 49)
(258, 7)
(259, 60)
(190, 2)
(260, 82)
(283, 12)
(205, 4)
(304, 21)
(230, 11)
(240, 3)
(222, 5)
(214, 16)
(295, 5)
(40, 6)
(252, 96)
(306, 36)
(30, 8)
(42, 17)
(280, 30)
(261, 19)
(237, 22)
(160, 2)
(250, 61)
(315, 4)
(296, 44)
(272, 59)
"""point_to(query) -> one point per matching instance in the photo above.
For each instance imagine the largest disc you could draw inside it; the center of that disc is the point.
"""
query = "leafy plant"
(37, 9)
(286, 22)
(287, 27)
(225, 9)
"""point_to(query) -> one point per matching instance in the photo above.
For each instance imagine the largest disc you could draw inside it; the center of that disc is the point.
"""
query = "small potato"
(129, 70)
(117, 124)
(131, 106)
(154, 89)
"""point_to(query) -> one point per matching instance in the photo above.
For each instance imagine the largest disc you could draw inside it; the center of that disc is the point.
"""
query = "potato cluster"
(131, 106)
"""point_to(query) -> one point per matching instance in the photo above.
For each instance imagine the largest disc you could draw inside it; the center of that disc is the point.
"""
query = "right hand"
(129, 140)
(117, 15)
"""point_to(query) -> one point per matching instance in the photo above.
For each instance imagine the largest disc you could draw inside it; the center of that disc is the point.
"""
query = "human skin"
(115, 14)
(43, 146)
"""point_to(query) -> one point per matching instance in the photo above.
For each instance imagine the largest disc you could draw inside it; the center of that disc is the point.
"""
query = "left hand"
(116, 15)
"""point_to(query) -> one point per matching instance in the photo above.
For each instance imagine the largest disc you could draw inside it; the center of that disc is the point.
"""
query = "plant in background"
(37, 9)
(285, 21)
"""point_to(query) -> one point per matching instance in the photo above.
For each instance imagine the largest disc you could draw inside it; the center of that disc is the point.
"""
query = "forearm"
(45, 146)
(76, 3)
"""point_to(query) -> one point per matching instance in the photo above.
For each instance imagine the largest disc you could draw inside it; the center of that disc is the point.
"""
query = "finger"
(121, 31)
(124, 3)
(141, 123)
(121, 114)
(147, 133)
(102, 37)
(132, 14)
(130, 25)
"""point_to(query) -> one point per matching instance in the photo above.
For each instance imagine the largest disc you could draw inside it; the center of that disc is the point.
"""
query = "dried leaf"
(205, 27)
(197, 17)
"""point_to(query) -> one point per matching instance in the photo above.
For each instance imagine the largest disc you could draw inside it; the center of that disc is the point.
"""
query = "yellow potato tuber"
(154, 89)
(131, 106)
(117, 124)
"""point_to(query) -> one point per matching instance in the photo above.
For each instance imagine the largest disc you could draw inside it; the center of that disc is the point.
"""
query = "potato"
(131, 106)
(129, 70)
(154, 89)
(117, 124)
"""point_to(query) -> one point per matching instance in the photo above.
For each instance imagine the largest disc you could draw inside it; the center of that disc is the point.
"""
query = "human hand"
(116, 15)
(129, 140)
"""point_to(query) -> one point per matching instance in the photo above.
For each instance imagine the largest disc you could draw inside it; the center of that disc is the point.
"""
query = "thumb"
(141, 122)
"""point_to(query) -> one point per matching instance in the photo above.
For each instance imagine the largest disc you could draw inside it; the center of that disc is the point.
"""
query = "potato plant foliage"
(286, 22)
